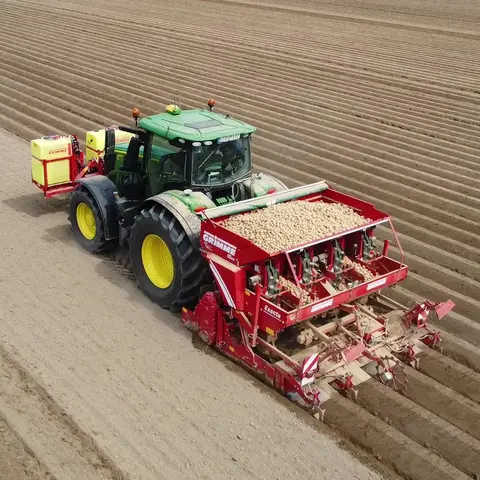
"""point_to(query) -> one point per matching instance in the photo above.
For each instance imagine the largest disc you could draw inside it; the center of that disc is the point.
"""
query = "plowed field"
(380, 99)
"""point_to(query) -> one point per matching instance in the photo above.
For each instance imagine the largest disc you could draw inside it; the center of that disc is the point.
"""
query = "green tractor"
(147, 194)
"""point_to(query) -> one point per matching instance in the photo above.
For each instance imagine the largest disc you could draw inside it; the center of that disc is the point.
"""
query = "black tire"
(98, 243)
(190, 268)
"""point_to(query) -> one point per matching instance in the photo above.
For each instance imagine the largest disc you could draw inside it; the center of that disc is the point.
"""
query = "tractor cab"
(196, 149)
(221, 162)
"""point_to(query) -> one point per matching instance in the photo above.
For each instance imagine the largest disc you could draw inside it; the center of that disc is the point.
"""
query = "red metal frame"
(238, 319)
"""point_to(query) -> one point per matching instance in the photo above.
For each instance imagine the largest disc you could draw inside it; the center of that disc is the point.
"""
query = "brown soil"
(16, 461)
(382, 102)
(424, 427)
(444, 402)
(462, 351)
(46, 430)
(450, 373)
(386, 442)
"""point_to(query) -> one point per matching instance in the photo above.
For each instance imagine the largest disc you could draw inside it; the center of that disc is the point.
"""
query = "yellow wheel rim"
(157, 261)
(86, 221)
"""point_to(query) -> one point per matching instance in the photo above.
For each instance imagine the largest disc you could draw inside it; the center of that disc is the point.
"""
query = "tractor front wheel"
(168, 269)
(86, 222)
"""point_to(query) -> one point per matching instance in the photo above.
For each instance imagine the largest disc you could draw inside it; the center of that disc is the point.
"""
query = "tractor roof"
(194, 125)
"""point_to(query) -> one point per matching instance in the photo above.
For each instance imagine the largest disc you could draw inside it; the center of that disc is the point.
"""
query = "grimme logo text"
(219, 243)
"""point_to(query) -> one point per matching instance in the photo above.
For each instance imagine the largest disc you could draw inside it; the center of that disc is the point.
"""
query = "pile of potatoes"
(364, 272)
(303, 295)
(286, 225)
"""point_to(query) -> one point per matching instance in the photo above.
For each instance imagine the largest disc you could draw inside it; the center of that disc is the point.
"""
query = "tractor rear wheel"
(168, 269)
(86, 222)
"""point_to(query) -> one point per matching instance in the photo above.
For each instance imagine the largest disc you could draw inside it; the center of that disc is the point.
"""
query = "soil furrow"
(442, 222)
(451, 374)
(417, 159)
(472, 225)
(359, 109)
(430, 288)
(426, 269)
(403, 26)
(374, 66)
(106, 19)
(35, 410)
(422, 426)
(458, 325)
(443, 402)
(127, 370)
(406, 456)
(362, 94)
(266, 40)
(462, 351)
(122, 23)
(462, 284)
(434, 255)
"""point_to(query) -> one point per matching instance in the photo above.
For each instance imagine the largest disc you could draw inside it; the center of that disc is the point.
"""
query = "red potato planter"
(308, 317)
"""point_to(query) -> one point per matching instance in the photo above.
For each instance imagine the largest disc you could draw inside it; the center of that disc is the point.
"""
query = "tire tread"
(193, 268)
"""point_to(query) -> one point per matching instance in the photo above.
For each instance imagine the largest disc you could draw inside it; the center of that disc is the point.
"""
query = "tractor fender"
(181, 208)
(102, 190)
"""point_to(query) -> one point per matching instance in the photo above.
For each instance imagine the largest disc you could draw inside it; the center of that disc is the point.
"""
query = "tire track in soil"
(29, 411)
(16, 459)
(341, 157)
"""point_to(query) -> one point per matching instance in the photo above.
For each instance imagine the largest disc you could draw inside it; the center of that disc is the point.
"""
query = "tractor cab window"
(167, 163)
(220, 163)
